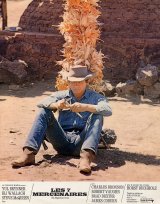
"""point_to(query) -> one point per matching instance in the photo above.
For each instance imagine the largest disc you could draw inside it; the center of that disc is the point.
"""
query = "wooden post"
(4, 14)
(0, 8)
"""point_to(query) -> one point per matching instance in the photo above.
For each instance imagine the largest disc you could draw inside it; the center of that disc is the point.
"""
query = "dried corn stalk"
(80, 28)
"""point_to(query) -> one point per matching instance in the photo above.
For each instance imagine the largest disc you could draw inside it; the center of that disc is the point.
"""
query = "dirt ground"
(135, 156)
(16, 5)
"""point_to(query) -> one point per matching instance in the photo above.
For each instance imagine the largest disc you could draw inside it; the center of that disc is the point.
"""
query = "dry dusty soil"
(134, 157)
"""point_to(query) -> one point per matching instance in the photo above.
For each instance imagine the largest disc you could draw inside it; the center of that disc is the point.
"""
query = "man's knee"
(97, 118)
(46, 113)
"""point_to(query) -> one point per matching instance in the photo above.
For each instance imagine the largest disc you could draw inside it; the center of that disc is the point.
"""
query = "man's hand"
(61, 104)
(82, 107)
(77, 107)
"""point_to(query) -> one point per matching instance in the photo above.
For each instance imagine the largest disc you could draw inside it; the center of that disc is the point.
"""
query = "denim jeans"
(64, 142)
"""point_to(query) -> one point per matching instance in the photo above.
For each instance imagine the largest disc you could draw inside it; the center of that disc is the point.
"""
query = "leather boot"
(86, 157)
(28, 158)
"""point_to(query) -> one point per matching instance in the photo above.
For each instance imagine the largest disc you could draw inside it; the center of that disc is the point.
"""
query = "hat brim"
(79, 78)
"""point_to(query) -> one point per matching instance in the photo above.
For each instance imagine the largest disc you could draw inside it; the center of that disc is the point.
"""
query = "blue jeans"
(64, 142)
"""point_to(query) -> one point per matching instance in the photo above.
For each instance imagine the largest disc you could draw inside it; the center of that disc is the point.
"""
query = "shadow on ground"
(137, 100)
(39, 87)
(57, 159)
(106, 158)
(28, 90)
(117, 158)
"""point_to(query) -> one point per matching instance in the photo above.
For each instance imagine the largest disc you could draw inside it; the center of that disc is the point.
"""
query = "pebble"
(13, 131)
(19, 172)
(3, 99)
(45, 164)
(11, 142)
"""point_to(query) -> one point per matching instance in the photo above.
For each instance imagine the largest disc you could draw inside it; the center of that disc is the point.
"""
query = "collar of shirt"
(71, 95)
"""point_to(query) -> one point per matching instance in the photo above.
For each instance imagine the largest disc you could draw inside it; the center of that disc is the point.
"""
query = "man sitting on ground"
(78, 128)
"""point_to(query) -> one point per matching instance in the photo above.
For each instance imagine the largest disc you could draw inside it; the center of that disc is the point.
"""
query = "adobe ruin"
(130, 37)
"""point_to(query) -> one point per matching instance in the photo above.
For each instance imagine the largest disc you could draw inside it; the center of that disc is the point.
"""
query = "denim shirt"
(71, 120)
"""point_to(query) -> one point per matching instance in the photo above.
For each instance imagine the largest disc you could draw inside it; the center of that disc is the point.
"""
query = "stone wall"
(126, 55)
(40, 51)
(130, 36)
(120, 18)
(42, 16)
(131, 18)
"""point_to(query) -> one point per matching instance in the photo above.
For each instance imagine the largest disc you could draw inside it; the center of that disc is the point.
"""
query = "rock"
(11, 142)
(13, 72)
(3, 99)
(147, 75)
(13, 29)
(109, 136)
(108, 88)
(45, 164)
(120, 89)
(152, 92)
(130, 87)
(19, 172)
(13, 130)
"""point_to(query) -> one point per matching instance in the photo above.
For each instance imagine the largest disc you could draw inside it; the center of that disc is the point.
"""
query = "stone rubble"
(12, 71)
(147, 83)
(147, 75)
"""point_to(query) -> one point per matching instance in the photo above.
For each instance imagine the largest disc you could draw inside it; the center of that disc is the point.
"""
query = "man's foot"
(28, 158)
(86, 157)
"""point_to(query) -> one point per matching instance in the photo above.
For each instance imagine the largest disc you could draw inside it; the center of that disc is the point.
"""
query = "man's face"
(77, 87)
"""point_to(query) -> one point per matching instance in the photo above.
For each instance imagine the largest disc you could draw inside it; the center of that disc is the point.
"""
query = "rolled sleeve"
(56, 96)
(103, 107)
(45, 103)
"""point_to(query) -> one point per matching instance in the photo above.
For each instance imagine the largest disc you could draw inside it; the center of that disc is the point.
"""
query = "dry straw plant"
(80, 28)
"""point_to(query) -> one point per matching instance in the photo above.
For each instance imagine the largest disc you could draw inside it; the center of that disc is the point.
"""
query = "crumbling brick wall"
(130, 35)
(131, 18)
(120, 18)
(40, 51)
(42, 16)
